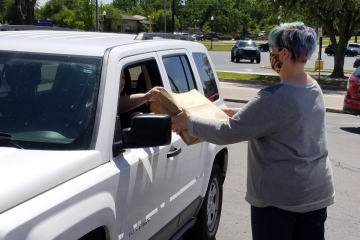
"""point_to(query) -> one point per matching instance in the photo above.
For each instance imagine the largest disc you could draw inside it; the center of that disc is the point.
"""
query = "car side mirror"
(147, 130)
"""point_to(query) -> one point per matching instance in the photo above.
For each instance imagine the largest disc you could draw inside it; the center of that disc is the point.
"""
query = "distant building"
(192, 30)
(132, 24)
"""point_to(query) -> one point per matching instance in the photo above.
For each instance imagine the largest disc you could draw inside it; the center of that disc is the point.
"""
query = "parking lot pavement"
(343, 220)
(221, 60)
(333, 99)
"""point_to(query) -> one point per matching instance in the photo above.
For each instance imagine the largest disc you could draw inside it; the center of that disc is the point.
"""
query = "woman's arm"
(129, 102)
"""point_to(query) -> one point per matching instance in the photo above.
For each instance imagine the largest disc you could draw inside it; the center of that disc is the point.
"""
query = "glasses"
(271, 49)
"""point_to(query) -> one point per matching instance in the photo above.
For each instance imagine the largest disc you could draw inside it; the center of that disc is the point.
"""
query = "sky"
(41, 2)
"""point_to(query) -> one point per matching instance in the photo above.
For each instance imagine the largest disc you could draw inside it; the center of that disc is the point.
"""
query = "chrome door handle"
(173, 152)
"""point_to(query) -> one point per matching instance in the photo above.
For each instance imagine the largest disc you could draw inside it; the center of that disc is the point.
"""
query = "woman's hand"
(151, 95)
(229, 111)
(180, 121)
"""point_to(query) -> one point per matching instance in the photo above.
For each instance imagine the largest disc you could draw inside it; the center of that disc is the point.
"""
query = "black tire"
(258, 60)
(237, 59)
(252, 60)
(202, 230)
(232, 57)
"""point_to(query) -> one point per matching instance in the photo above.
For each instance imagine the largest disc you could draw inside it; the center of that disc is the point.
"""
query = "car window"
(354, 45)
(179, 73)
(48, 101)
(357, 73)
(206, 76)
(249, 44)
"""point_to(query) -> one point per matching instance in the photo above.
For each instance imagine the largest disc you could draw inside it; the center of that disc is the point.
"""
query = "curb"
(328, 109)
(324, 87)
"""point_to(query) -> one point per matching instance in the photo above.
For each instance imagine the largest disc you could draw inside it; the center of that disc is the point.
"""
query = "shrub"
(237, 37)
(226, 37)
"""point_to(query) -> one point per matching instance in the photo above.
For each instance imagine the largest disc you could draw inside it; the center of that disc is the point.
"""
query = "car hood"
(250, 48)
(27, 173)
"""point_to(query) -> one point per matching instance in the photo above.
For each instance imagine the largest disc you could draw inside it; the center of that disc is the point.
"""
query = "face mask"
(275, 62)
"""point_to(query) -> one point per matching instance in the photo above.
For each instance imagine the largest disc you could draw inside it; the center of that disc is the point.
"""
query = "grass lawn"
(324, 79)
(313, 70)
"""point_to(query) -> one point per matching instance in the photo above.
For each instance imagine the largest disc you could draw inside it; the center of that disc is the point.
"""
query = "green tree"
(113, 16)
(159, 20)
(338, 17)
(68, 19)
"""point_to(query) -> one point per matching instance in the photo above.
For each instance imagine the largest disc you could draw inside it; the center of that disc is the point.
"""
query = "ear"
(286, 54)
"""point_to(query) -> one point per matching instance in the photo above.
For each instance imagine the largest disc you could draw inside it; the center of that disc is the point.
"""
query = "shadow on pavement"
(355, 130)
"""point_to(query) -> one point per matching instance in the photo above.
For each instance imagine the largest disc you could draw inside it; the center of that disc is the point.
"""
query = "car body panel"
(42, 170)
(352, 96)
(67, 211)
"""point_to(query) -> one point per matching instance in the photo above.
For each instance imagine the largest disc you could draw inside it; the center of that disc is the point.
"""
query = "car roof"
(72, 42)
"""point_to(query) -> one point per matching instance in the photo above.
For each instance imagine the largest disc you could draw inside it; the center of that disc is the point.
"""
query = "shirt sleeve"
(259, 117)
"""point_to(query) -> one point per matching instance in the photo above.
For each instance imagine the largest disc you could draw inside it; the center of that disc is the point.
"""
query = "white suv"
(354, 46)
(72, 168)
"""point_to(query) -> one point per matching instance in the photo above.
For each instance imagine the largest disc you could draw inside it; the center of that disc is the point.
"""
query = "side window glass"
(207, 76)
(179, 73)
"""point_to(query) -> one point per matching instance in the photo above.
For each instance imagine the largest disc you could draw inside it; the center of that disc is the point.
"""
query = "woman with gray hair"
(290, 180)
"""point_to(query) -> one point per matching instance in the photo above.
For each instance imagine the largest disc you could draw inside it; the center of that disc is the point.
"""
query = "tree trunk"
(30, 5)
(19, 12)
(339, 55)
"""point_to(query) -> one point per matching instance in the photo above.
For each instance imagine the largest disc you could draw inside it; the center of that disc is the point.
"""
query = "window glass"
(207, 76)
(357, 72)
(179, 73)
(48, 101)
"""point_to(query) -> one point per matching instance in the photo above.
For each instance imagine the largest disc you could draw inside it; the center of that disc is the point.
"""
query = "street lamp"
(104, 15)
(195, 21)
(150, 17)
(212, 19)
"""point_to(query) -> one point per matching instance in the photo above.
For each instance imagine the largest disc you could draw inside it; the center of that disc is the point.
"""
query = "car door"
(150, 178)
(177, 68)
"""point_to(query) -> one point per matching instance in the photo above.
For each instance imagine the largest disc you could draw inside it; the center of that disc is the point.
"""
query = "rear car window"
(179, 73)
(354, 45)
(357, 73)
(206, 76)
(48, 102)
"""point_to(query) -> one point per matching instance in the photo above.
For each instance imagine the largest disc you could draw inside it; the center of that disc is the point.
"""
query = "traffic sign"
(320, 33)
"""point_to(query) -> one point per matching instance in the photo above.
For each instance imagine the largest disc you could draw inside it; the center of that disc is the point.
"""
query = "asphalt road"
(333, 99)
(343, 220)
(221, 60)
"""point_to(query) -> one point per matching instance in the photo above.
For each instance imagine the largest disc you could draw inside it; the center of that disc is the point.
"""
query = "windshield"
(247, 44)
(48, 101)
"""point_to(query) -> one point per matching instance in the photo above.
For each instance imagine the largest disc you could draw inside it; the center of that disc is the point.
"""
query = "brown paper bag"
(171, 103)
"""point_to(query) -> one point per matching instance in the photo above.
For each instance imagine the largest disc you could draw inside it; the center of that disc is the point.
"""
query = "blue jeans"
(271, 223)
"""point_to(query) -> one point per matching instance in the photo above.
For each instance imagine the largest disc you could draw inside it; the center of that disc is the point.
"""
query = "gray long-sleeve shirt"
(288, 164)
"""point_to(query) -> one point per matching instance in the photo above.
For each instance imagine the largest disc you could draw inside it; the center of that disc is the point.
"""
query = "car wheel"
(252, 60)
(258, 60)
(232, 57)
(237, 59)
(208, 218)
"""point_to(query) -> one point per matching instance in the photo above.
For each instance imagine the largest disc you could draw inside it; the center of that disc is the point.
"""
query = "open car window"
(47, 101)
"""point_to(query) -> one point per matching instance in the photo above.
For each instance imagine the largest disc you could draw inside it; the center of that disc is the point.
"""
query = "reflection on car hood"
(249, 48)
(27, 173)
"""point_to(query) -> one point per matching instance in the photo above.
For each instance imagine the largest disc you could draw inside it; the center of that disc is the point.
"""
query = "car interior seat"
(23, 79)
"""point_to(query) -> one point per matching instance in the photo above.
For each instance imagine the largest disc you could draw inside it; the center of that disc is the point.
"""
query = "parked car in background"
(262, 33)
(329, 50)
(354, 46)
(357, 63)
(210, 35)
(352, 96)
(247, 35)
(264, 47)
(245, 50)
